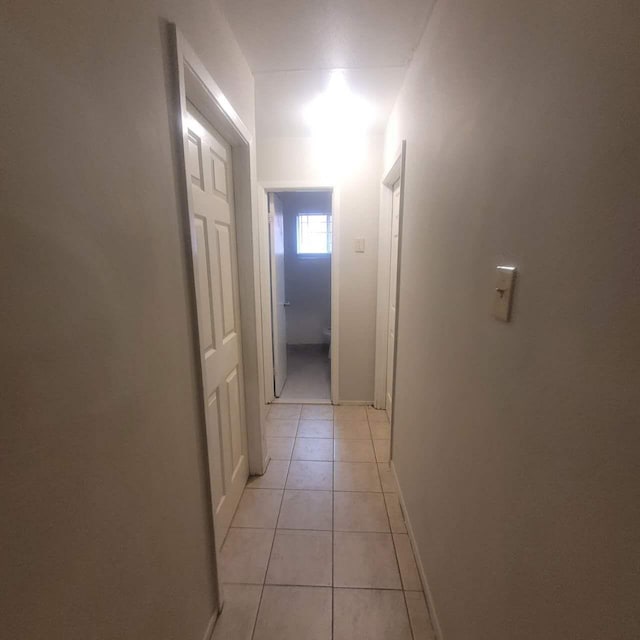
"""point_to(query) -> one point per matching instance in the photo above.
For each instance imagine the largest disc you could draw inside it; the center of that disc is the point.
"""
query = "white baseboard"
(367, 403)
(416, 553)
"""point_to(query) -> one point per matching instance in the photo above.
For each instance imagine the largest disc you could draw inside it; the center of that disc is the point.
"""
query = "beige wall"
(517, 445)
(297, 159)
(105, 513)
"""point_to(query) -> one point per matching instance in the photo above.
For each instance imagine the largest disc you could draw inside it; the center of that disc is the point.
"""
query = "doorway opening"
(301, 253)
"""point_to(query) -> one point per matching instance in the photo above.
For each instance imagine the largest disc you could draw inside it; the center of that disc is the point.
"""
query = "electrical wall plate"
(503, 294)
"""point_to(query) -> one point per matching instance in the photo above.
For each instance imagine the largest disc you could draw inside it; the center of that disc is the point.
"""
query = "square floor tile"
(306, 510)
(239, 613)
(317, 412)
(380, 430)
(280, 448)
(258, 508)
(365, 560)
(301, 558)
(378, 416)
(354, 451)
(294, 613)
(383, 450)
(387, 478)
(355, 476)
(352, 431)
(273, 478)
(281, 428)
(419, 616)
(396, 519)
(407, 563)
(354, 511)
(370, 614)
(310, 475)
(245, 555)
(353, 413)
(313, 449)
(284, 411)
(315, 429)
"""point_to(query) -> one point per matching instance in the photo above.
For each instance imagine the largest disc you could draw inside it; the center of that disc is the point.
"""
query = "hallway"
(318, 547)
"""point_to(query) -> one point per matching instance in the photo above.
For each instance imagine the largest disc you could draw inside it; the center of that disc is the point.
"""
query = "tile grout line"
(273, 541)
(393, 542)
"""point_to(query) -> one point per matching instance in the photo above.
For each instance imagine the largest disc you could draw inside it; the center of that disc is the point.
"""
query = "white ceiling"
(281, 97)
(291, 45)
(282, 35)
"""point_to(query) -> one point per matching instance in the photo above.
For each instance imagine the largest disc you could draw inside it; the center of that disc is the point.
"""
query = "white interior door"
(393, 282)
(276, 233)
(215, 264)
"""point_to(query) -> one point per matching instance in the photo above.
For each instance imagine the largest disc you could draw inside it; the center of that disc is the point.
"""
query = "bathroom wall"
(307, 278)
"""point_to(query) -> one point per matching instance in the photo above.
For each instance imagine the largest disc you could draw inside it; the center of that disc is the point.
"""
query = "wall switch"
(359, 245)
(503, 294)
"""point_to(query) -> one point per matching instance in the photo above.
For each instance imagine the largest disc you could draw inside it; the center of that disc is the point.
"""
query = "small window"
(314, 233)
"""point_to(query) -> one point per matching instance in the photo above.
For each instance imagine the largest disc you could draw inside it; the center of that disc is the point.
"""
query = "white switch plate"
(359, 245)
(503, 294)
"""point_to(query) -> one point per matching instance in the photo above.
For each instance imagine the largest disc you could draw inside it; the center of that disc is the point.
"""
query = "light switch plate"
(359, 245)
(503, 294)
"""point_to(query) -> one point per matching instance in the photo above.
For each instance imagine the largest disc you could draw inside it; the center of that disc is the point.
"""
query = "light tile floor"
(318, 548)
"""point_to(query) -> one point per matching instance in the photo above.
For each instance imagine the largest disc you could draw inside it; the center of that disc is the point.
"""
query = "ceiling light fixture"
(338, 113)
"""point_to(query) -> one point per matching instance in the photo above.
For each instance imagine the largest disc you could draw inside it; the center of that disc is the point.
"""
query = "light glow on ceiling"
(338, 112)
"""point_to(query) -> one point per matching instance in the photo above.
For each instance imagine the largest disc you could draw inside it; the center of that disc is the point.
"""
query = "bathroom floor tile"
(284, 411)
(309, 475)
(245, 555)
(352, 431)
(365, 560)
(239, 613)
(354, 451)
(306, 510)
(355, 476)
(354, 511)
(294, 613)
(315, 429)
(313, 449)
(258, 508)
(370, 614)
(301, 558)
(406, 561)
(280, 448)
(317, 412)
(273, 478)
(281, 428)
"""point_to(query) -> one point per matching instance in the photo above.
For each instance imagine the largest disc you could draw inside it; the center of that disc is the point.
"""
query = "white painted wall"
(106, 513)
(517, 445)
(298, 159)
(307, 278)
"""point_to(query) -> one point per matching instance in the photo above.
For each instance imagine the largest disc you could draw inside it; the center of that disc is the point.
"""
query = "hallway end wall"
(296, 160)
(517, 445)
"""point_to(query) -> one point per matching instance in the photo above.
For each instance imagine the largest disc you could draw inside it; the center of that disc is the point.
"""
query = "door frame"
(192, 81)
(264, 189)
(394, 172)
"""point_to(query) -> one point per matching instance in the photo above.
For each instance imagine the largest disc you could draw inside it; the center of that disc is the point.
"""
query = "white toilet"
(327, 338)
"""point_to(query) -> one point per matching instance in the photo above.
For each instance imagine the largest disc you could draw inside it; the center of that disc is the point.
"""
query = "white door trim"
(265, 280)
(192, 81)
(391, 175)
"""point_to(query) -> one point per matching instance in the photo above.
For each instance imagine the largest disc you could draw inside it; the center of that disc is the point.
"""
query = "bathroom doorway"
(300, 260)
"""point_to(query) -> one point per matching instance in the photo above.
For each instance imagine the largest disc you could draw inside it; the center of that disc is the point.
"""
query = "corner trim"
(435, 623)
